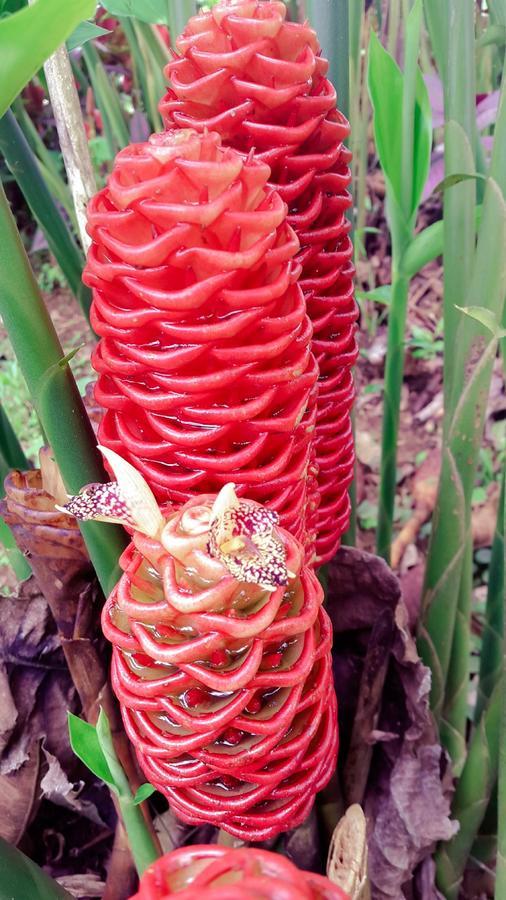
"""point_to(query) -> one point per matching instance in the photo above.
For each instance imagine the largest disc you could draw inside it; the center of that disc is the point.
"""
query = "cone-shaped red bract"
(258, 80)
(205, 367)
(222, 666)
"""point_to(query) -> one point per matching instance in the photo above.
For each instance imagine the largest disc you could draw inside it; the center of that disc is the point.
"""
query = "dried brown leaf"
(18, 797)
(407, 800)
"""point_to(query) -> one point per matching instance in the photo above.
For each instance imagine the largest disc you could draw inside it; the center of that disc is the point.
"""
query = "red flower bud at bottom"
(219, 873)
(222, 666)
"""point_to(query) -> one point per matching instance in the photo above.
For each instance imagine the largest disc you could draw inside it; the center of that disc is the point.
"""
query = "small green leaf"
(485, 317)
(457, 178)
(86, 745)
(84, 32)
(152, 11)
(142, 793)
(381, 294)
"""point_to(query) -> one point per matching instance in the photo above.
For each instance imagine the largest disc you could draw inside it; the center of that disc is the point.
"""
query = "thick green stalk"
(22, 878)
(54, 392)
(331, 23)
(107, 100)
(472, 795)
(23, 165)
(436, 17)
(474, 352)
(394, 21)
(491, 656)
(460, 200)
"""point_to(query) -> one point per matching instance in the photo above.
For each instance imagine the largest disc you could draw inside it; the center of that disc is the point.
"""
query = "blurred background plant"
(423, 85)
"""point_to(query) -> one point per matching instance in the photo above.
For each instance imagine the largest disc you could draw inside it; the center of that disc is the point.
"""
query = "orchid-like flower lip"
(127, 501)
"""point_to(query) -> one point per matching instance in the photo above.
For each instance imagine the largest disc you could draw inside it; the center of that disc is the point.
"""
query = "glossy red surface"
(225, 688)
(220, 873)
(205, 365)
(260, 81)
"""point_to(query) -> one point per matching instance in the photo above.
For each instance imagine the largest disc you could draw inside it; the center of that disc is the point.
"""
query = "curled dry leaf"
(35, 693)
(406, 796)
(348, 857)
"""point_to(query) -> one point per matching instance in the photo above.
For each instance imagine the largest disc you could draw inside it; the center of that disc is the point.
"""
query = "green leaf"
(30, 36)
(22, 878)
(385, 89)
(142, 793)
(422, 140)
(485, 317)
(382, 294)
(84, 32)
(86, 745)
(457, 178)
(153, 11)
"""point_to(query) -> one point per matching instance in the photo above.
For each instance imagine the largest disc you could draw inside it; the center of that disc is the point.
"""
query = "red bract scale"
(259, 81)
(225, 684)
(219, 873)
(205, 367)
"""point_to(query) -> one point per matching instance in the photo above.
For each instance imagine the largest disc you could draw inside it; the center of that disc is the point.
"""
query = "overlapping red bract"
(205, 368)
(225, 688)
(260, 82)
(200, 871)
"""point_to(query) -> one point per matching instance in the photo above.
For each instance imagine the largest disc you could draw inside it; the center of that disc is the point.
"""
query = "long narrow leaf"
(29, 36)
(24, 167)
(53, 389)
(107, 100)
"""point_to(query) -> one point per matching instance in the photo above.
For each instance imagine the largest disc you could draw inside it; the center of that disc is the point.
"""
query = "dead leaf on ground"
(406, 798)
(86, 885)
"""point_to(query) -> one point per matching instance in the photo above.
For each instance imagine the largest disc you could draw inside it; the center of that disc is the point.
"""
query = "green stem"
(331, 23)
(394, 372)
(471, 796)
(25, 169)
(54, 392)
(394, 18)
(142, 845)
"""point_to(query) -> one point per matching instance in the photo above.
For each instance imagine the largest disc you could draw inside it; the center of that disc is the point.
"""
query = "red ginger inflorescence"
(220, 873)
(205, 367)
(258, 80)
(222, 666)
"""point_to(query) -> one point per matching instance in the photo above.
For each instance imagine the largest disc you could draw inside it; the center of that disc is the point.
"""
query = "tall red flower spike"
(222, 666)
(220, 873)
(260, 82)
(205, 368)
